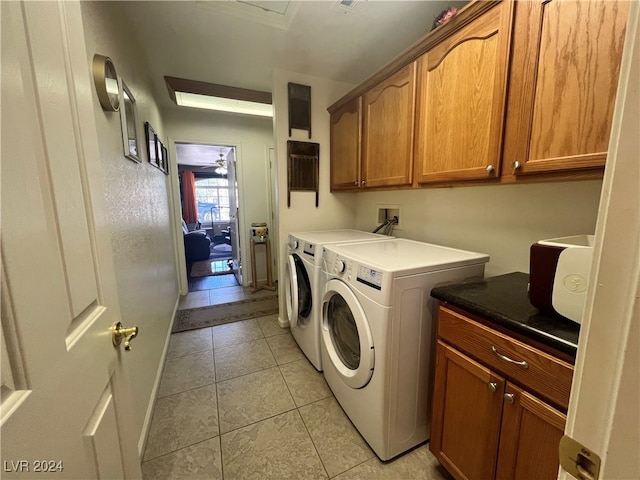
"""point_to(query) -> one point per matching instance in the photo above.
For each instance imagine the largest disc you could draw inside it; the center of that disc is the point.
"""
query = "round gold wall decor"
(105, 79)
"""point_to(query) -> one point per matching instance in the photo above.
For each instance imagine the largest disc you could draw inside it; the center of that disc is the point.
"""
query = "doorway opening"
(209, 198)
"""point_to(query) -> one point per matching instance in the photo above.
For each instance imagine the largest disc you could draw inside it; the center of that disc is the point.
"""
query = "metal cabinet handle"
(490, 169)
(516, 165)
(521, 363)
(492, 386)
(355, 183)
(364, 182)
(509, 398)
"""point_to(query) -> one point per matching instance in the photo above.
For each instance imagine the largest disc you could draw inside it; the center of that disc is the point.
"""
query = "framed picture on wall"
(152, 152)
(165, 156)
(129, 124)
(160, 152)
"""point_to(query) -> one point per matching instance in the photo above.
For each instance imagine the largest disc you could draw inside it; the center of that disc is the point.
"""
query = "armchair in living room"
(196, 244)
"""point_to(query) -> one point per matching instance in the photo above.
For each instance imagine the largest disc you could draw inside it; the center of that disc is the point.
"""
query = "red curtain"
(189, 204)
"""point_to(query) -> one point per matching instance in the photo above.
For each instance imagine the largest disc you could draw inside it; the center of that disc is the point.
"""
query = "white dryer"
(304, 283)
(378, 333)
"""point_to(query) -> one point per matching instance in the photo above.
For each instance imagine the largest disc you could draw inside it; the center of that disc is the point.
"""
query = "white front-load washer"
(378, 333)
(304, 283)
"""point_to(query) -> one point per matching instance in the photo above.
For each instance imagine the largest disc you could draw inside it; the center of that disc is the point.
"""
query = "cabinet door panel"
(388, 130)
(345, 146)
(462, 92)
(545, 374)
(529, 440)
(466, 415)
(563, 84)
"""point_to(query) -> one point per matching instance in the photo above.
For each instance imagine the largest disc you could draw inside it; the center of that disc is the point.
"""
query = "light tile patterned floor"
(217, 296)
(241, 401)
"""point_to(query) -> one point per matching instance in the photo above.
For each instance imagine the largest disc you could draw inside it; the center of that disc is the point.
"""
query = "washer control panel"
(309, 249)
(351, 271)
(370, 277)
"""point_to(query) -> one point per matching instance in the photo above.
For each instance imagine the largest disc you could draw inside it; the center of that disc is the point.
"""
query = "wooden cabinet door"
(465, 424)
(564, 77)
(346, 128)
(461, 101)
(389, 111)
(530, 436)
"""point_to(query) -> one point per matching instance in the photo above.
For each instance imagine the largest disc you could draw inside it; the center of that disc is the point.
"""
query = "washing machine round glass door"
(297, 291)
(346, 334)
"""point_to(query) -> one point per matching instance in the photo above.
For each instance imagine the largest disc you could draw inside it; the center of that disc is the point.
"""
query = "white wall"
(138, 207)
(252, 136)
(334, 210)
(500, 220)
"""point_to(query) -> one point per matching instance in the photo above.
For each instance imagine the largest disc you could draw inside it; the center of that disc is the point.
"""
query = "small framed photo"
(129, 124)
(165, 156)
(152, 152)
(160, 151)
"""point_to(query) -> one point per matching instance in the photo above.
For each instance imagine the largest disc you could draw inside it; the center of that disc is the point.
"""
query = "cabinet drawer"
(536, 370)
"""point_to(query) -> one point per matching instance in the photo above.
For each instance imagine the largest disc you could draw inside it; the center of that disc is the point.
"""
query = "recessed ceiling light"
(223, 104)
(191, 93)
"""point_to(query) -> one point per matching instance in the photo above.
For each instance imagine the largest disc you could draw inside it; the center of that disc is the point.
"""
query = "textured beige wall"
(138, 205)
(502, 221)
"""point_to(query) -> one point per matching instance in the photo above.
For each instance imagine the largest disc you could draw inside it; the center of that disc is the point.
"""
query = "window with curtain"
(212, 195)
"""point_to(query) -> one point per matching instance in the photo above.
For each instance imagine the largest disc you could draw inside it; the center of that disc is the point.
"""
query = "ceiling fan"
(220, 165)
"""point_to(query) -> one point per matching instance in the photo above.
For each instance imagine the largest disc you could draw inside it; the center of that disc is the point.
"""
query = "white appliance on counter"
(378, 333)
(304, 283)
(559, 273)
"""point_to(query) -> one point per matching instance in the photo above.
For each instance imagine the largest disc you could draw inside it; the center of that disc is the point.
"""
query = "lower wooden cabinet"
(467, 407)
(485, 426)
(529, 437)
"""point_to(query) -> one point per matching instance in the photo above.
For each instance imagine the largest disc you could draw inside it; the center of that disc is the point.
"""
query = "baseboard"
(142, 441)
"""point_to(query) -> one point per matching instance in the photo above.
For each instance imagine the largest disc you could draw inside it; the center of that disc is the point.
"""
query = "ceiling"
(200, 157)
(239, 44)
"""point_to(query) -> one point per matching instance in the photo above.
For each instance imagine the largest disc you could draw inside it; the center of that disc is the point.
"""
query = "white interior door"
(234, 229)
(65, 405)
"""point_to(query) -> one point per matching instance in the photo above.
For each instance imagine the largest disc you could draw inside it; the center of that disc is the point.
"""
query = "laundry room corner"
(334, 211)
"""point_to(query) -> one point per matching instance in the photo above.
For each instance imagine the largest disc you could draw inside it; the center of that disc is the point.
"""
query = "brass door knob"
(121, 333)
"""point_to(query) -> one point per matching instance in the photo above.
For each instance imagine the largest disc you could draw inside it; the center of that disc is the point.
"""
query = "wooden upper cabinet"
(564, 77)
(461, 101)
(387, 146)
(346, 124)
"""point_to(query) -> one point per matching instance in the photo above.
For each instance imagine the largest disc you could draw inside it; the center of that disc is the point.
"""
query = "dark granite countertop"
(504, 300)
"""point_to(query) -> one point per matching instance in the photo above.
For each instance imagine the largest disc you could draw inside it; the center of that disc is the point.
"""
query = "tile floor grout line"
(306, 427)
(261, 420)
(186, 354)
(178, 449)
(246, 374)
(217, 407)
(187, 390)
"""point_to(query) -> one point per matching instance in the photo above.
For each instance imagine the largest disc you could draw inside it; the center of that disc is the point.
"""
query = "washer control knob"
(340, 266)
(293, 244)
